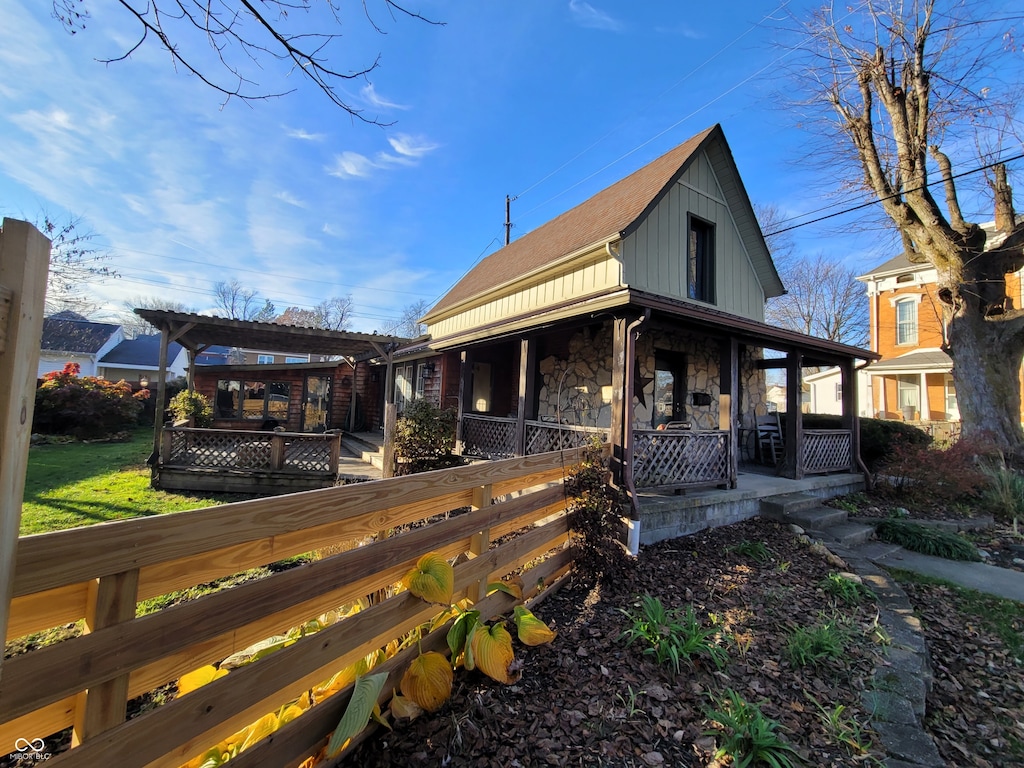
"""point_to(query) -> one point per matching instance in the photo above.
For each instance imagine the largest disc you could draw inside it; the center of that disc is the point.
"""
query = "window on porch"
(255, 400)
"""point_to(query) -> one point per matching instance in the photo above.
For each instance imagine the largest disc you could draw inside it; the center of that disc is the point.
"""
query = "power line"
(893, 196)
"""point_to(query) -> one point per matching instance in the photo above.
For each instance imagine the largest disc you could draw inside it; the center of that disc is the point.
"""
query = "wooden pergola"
(197, 333)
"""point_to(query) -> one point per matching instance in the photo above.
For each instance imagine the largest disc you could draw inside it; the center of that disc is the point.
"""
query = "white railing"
(679, 458)
(827, 450)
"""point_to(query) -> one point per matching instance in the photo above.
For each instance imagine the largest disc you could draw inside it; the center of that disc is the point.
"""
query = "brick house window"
(906, 321)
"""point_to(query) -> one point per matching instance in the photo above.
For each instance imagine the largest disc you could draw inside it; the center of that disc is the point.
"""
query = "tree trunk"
(986, 372)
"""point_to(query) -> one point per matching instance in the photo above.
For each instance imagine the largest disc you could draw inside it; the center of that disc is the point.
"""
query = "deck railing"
(678, 458)
(101, 573)
(827, 450)
(233, 449)
(494, 437)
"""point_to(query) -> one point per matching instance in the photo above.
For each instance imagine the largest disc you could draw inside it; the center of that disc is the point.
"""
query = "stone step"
(784, 505)
(847, 534)
(817, 518)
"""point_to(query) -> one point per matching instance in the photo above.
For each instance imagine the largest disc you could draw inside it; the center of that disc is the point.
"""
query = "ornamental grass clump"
(927, 540)
(672, 636)
(746, 735)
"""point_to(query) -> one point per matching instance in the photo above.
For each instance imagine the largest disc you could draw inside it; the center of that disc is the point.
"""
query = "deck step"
(364, 450)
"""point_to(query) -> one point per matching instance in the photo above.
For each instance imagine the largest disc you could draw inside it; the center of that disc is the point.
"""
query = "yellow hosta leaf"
(405, 707)
(293, 710)
(198, 678)
(262, 728)
(428, 680)
(492, 653)
(532, 631)
(432, 580)
(508, 587)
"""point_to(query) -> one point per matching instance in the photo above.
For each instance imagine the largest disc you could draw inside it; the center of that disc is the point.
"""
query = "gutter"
(633, 536)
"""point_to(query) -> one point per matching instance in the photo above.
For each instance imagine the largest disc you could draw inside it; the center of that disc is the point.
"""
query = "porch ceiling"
(195, 332)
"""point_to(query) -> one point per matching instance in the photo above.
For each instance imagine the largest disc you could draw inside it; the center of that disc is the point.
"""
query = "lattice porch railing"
(542, 436)
(827, 450)
(679, 458)
(491, 437)
(186, 448)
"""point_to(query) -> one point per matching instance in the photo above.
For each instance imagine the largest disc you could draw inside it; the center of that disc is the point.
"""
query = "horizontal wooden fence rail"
(99, 574)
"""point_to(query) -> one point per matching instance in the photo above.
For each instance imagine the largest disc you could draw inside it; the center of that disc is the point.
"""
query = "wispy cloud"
(408, 151)
(303, 135)
(680, 30)
(287, 197)
(587, 15)
(371, 97)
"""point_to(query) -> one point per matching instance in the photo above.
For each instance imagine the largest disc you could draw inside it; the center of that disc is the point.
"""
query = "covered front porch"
(696, 382)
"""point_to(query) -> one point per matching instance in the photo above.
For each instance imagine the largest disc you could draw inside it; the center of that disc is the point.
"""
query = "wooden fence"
(100, 574)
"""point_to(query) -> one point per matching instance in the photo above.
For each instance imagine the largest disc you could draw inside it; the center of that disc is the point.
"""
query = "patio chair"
(769, 438)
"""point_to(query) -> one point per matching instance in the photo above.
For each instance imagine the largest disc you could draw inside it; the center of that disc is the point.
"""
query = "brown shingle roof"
(603, 216)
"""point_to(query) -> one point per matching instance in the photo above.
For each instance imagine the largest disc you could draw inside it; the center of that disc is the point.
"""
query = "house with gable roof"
(70, 338)
(638, 316)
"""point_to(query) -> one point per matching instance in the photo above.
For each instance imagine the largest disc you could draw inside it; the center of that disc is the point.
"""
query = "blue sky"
(550, 100)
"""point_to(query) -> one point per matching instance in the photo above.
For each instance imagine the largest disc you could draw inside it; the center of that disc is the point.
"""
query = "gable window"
(700, 260)
(906, 321)
(264, 359)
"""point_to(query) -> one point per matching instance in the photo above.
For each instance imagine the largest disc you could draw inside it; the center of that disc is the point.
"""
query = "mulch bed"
(588, 699)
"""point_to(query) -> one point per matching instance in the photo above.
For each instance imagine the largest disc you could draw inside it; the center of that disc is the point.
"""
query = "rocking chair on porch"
(769, 438)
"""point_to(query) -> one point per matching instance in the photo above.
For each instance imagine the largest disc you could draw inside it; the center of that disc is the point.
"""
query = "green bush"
(189, 404)
(425, 439)
(927, 540)
(85, 407)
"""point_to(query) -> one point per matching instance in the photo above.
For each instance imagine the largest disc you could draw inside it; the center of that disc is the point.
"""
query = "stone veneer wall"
(579, 389)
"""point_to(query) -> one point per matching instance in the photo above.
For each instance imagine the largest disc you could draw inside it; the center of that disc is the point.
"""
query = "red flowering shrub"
(86, 406)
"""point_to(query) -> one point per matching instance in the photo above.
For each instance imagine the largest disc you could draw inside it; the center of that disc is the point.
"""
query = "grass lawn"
(75, 484)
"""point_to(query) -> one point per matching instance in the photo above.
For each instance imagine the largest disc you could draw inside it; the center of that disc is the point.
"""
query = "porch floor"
(667, 515)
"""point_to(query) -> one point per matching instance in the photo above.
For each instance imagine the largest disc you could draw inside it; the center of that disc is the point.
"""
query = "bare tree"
(332, 314)
(907, 87)
(244, 34)
(133, 325)
(241, 303)
(823, 298)
(408, 324)
(75, 260)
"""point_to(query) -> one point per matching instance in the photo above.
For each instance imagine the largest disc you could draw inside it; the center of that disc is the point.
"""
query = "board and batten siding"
(587, 275)
(654, 256)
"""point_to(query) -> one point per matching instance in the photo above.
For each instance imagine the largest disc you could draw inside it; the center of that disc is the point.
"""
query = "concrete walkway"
(1001, 582)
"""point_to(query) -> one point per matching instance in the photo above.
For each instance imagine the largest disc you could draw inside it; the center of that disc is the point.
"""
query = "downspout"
(633, 537)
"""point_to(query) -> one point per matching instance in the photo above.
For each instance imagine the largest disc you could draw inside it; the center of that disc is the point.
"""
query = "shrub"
(424, 439)
(189, 404)
(1004, 495)
(948, 474)
(595, 520)
(86, 407)
(927, 540)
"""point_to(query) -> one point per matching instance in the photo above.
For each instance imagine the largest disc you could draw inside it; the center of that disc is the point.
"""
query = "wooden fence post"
(24, 262)
(111, 600)
(479, 543)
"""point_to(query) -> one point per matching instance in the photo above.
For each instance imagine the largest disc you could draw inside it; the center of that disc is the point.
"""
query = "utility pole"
(508, 218)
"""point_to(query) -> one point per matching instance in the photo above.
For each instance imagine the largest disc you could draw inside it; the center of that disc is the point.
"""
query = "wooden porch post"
(618, 425)
(464, 392)
(730, 410)
(851, 414)
(527, 382)
(390, 416)
(24, 260)
(794, 463)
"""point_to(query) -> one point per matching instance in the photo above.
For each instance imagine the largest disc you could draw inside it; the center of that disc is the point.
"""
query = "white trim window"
(264, 359)
(909, 388)
(906, 322)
